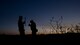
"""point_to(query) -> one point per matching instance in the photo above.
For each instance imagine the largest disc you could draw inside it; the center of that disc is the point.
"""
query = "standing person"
(21, 25)
(33, 28)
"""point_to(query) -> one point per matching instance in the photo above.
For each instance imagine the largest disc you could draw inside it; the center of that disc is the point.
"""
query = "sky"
(41, 11)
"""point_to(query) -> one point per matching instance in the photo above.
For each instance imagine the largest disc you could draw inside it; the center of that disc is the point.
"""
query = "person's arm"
(29, 25)
(24, 22)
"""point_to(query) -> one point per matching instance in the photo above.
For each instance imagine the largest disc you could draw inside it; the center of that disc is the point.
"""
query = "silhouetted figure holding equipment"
(21, 25)
(33, 28)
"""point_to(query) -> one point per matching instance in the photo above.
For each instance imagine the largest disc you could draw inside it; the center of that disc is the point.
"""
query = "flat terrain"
(42, 39)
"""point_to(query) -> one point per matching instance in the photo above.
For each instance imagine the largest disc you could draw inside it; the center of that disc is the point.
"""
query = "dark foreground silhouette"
(32, 25)
(43, 39)
(21, 25)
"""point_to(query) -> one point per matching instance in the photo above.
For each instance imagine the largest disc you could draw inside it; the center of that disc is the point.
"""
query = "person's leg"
(22, 33)
(19, 31)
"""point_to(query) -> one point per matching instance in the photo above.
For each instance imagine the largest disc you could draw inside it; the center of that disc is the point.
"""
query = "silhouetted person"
(21, 25)
(33, 28)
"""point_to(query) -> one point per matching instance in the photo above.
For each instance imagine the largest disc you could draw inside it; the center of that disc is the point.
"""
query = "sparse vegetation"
(59, 28)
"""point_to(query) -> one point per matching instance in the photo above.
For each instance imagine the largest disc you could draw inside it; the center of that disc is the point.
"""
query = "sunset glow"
(46, 13)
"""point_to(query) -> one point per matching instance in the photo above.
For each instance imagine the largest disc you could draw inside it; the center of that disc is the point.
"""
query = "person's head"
(20, 17)
(31, 21)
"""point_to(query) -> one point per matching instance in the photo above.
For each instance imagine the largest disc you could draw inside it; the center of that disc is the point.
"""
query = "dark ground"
(49, 39)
